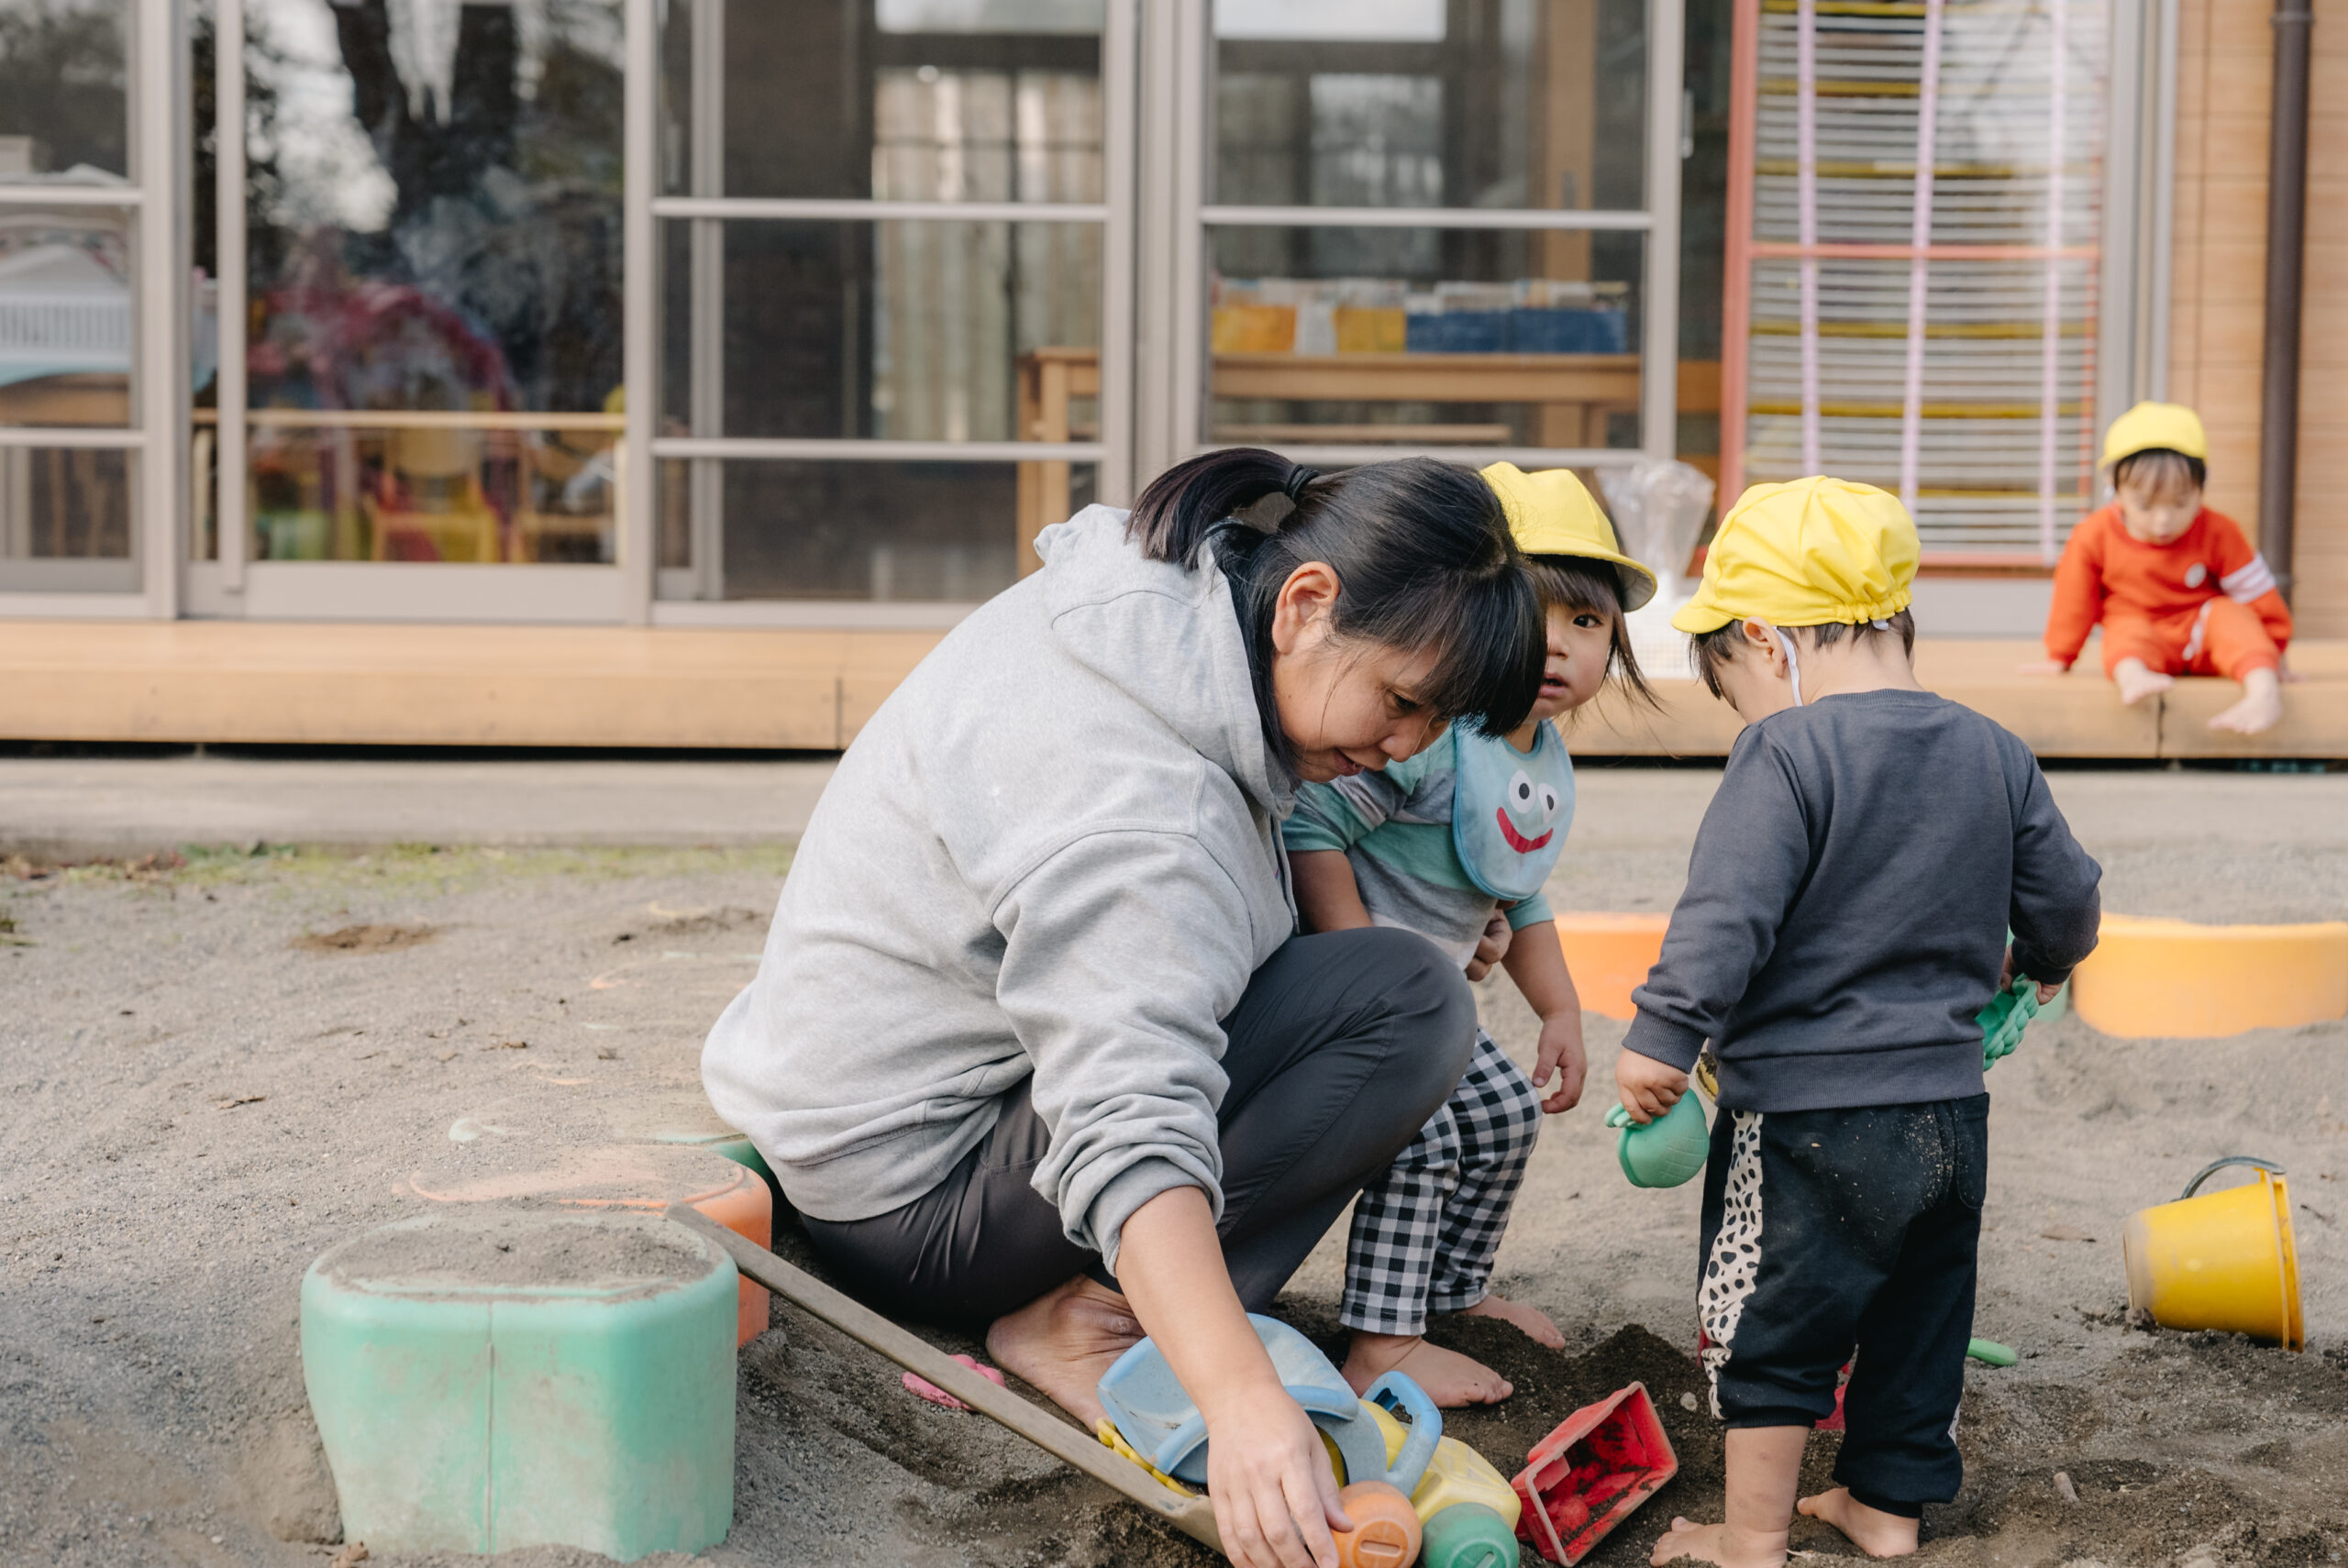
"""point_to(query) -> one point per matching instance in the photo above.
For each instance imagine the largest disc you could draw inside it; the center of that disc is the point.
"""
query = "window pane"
(915, 100)
(1420, 103)
(435, 206)
(889, 532)
(65, 519)
(61, 100)
(65, 316)
(431, 493)
(1425, 337)
(909, 329)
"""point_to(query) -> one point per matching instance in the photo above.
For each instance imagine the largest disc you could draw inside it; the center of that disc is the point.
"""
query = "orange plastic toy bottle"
(1386, 1528)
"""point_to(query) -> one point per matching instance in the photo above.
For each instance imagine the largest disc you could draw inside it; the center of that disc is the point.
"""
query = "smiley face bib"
(1510, 810)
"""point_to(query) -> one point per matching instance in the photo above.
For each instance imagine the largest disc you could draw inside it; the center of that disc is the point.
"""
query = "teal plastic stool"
(498, 1378)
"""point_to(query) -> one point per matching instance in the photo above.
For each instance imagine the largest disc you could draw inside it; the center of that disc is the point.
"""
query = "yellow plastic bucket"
(2223, 1260)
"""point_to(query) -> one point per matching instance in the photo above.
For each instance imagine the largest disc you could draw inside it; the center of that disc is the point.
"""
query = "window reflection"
(62, 91)
(434, 230)
(65, 318)
(65, 519)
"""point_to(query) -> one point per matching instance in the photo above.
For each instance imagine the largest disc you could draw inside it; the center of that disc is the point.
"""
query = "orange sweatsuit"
(2204, 604)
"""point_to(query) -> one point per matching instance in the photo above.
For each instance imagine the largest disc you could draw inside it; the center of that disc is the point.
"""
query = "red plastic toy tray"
(1588, 1475)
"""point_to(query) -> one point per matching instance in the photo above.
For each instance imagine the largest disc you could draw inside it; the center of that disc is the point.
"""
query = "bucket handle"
(2214, 1167)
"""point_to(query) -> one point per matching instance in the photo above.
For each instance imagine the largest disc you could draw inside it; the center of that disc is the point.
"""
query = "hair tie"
(1298, 477)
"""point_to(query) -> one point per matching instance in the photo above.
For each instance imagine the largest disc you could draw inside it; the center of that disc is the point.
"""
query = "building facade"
(808, 314)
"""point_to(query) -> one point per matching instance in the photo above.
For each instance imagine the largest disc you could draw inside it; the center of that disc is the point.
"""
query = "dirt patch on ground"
(366, 938)
(152, 1401)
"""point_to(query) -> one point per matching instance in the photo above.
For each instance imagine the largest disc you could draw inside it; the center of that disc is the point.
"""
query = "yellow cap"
(1553, 514)
(2148, 427)
(1806, 553)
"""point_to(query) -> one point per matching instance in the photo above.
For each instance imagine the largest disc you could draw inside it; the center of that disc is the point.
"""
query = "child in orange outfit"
(2178, 588)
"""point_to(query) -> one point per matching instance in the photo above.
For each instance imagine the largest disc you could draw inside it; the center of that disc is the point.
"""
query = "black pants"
(1339, 1049)
(1830, 1230)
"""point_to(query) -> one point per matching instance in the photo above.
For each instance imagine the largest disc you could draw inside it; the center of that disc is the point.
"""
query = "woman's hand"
(1561, 1052)
(1649, 1088)
(1275, 1497)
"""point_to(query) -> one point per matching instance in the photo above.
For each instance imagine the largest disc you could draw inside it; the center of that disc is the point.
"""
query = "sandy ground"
(210, 1073)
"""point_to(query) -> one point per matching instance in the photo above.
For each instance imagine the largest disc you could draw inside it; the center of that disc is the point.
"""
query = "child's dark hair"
(2160, 471)
(1423, 557)
(1709, 650)
(1575, 584)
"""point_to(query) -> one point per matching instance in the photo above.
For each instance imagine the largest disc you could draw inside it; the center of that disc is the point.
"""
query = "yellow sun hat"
(1553, 514)
(2156, 426)
(1806, 553)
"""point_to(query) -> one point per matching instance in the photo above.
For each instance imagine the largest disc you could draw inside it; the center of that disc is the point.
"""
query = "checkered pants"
(1425, 1231)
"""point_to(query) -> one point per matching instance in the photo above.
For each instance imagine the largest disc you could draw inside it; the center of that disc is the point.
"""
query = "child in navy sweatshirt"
(1844, 920)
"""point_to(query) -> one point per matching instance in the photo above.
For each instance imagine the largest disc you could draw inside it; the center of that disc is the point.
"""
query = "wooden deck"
(618, 687)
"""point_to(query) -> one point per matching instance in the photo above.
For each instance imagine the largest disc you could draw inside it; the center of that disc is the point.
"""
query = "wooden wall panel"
(2217, 317)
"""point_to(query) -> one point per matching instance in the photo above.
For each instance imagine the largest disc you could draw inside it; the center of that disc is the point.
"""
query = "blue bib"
(1510, 812)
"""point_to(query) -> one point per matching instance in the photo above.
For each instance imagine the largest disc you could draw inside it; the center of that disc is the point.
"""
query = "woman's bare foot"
(1872, 1530)
(1062, 1341)
(2137, 680)
(1450, 1379)
(2261, 708)
(1531, 1321)
(1719, 1543)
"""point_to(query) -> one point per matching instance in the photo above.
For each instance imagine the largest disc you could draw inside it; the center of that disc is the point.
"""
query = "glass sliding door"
(85, 352)
(1438, 226)
(420, 225)
(893, 339)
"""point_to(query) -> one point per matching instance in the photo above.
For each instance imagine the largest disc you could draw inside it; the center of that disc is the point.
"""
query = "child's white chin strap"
(1793, 665)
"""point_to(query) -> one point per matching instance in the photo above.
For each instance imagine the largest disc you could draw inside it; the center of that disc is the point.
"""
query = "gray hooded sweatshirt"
(1054, 851)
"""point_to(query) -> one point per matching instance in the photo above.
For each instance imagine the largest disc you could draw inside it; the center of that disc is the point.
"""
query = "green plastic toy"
(2003, 1020)
(1667, 1150)
(1991, 1352)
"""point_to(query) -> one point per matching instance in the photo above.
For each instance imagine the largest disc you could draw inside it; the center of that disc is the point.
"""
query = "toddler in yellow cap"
(1454, 844)
(2176, 586)
(1843, 922)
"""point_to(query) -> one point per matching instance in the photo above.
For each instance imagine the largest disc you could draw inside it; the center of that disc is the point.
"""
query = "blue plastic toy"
(1146, 1402)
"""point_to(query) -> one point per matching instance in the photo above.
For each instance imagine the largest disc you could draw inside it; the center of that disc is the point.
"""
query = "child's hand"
(1649, 1088)
(1491, 948)
(1562, 1053)
(2046, 993)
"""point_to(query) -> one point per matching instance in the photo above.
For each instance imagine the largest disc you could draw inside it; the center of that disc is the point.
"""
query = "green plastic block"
(490, 1380)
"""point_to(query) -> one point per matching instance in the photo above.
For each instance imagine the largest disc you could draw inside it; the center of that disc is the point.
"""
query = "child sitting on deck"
(2178, 588)
(1844, 920)
(1440, 844)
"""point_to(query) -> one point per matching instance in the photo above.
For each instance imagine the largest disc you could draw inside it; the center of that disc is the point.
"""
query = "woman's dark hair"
(2159, 470)
(1709, 650)
(1423, 557)
(1577, 586)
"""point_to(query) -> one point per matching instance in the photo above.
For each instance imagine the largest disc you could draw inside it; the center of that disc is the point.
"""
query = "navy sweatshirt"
(1847, 904)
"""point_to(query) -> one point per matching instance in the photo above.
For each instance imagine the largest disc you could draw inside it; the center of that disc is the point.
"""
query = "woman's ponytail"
(1181, 506)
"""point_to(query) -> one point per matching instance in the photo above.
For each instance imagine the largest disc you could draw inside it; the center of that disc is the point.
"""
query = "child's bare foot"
(1450, 1379)
(2138, 681)
(2261, 708)
(1531, 1321)
(1063, 1341)
(1872, 1530)
(1719, 1543)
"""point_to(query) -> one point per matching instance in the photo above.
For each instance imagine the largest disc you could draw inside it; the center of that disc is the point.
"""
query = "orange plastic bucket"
(1610, 954)
(2223, 1260)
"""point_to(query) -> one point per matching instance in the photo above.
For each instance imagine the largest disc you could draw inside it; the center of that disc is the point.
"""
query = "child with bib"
(1454, 844)
(1845, 921)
